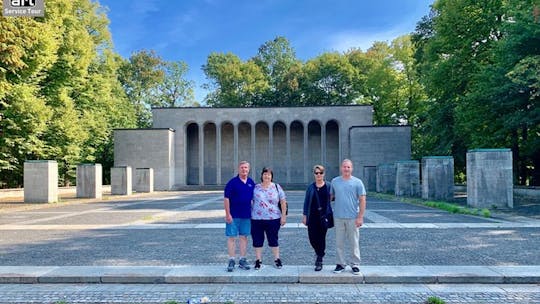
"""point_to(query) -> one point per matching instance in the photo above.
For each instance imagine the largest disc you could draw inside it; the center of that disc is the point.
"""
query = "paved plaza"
(170, 246)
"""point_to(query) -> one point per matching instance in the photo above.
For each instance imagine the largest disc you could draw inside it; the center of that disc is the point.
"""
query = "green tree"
(234, 83)
(27, 50)
(140, 76)
(452, 44)
(328, 79)
(278, 61)
(505, 93)
(59, 91)
(175, 90)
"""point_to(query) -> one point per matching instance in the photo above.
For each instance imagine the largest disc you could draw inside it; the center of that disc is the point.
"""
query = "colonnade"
(213, 149)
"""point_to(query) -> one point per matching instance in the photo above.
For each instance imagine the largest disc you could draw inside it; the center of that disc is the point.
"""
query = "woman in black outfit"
(316, 204)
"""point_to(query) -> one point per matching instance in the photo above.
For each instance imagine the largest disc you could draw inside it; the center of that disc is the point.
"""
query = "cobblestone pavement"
(183, 228)
(269, 293)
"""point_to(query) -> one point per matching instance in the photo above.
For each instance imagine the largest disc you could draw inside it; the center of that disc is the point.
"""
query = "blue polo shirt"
(240, 195)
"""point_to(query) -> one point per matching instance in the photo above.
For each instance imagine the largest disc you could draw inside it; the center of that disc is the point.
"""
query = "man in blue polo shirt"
(237, 203)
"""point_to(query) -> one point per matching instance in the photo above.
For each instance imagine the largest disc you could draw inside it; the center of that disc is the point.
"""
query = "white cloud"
(144, 7)
(344, 41)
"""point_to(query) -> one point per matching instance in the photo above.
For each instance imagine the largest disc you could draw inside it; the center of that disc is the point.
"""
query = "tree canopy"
(467, 77)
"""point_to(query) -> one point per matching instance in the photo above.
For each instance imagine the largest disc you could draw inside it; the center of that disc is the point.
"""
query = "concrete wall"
(489, 178)
(438, 178)
(371, 146)
(249, 128)
(370, 178)
(121, 180)
(407, 178)
(386, 178)
(89, 181)
(209, 143)
(40, 181)
(147, 148)
(144, 180)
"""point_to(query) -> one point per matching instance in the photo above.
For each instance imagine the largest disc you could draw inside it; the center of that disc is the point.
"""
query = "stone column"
(306, 170)
(235, 145)
(370, 178)
(288, 144)
(218, 154)
(386, 178)
(271, 144)
(489, 178)
(438, 178)
(323, 144)
(121, 180)
(253, 160)
(201, 155)
(144, 180)
(89, 181)
(407, 178)
(40, 181)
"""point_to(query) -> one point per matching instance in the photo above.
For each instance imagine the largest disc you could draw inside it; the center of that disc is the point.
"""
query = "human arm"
(227, 207)
(307, 199)
(283, 203)
(360, 218)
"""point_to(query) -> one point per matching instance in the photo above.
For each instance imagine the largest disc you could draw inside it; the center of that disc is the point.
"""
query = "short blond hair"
(320, 167)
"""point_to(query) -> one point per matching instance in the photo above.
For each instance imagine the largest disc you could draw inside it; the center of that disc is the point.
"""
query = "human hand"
(359, 222)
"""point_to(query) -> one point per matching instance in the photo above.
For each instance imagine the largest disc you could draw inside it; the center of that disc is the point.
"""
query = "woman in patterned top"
(266, 217)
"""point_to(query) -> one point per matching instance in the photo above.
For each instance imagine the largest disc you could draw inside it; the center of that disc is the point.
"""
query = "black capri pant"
(260, 227)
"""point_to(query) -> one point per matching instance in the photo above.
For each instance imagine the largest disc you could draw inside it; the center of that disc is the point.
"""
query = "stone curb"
(192, 274)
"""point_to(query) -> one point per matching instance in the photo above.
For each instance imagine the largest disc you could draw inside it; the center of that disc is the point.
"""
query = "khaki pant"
(347, 234)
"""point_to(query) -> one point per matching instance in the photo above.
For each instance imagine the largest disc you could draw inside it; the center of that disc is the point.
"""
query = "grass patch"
(450, 207)
(435, 300)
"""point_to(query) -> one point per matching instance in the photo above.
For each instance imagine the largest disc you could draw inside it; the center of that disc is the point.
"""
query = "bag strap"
(318, 200)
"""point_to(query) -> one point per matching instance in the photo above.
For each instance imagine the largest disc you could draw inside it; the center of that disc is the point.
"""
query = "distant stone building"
(202, 146)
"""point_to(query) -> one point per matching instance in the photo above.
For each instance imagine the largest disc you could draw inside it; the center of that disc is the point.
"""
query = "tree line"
(466, 78)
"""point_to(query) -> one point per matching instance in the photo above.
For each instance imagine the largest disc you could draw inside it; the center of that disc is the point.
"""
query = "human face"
(243, 170)
(266, 177)
(346, 169)
(318, 174)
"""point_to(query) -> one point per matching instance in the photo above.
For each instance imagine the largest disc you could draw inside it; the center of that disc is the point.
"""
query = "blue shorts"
(239, 226)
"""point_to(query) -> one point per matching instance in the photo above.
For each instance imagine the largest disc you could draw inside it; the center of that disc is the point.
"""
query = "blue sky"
(189, 30)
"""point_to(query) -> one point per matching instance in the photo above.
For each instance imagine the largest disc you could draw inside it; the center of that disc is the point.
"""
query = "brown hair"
(269, 170)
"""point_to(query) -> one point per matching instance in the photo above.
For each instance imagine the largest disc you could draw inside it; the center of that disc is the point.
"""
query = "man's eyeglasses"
(318, 173)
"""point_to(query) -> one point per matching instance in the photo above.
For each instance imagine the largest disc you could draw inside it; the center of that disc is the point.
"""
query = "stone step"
(191, 274)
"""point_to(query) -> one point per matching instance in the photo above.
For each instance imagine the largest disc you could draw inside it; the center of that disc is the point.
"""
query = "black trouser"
(317, 238)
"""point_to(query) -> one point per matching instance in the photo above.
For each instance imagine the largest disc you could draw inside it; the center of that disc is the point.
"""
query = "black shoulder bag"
(279, 202)
(327, 216)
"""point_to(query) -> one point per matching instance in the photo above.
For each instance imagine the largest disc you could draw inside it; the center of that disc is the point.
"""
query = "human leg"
(272, 234)
(257, 237)
(353, 238)
(340, 225)
(231, 231)
(231, 247)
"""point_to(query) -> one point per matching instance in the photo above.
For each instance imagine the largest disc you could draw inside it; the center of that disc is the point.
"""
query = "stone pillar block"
(489, 178)
(370, 178)
(89, 181)
(145, 180)
(386, 178)
(438, 178)
(121, 180)
(407, 178)
(40, 181)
